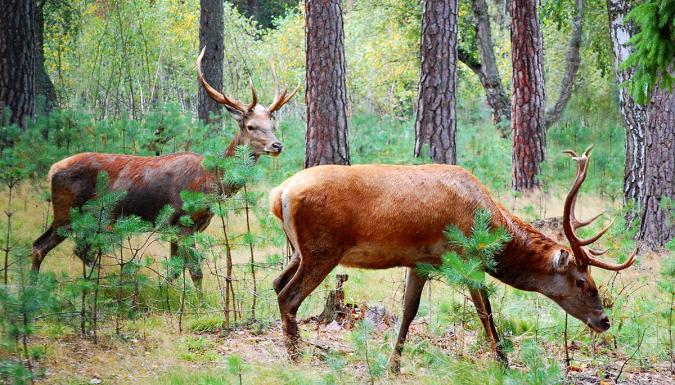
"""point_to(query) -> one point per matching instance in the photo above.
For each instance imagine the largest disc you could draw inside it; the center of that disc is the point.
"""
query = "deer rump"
(388, 216)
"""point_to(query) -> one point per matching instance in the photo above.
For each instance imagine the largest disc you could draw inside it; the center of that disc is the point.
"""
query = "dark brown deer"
(384, 216)
(151, 183)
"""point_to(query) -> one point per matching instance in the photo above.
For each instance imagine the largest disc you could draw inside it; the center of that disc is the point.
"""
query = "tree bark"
(634, 115)
(211, 30)
(494, 91)
(326, 96)
(436, 121)
(656, 225)
(45, 91)
(17, 61)
(529, 132)
(572, 63)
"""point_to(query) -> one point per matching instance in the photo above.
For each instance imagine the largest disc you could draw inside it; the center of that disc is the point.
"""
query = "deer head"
(257, 123)
(572, 286)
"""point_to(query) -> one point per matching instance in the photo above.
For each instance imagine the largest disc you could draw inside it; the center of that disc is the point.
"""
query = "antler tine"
(586, 242)
(254, 95)
(578, 224)
(213, 93)
(612, 266)
(598, 252)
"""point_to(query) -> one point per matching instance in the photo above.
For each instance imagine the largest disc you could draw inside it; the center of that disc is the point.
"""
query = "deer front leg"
(482, 303)
(411, 303)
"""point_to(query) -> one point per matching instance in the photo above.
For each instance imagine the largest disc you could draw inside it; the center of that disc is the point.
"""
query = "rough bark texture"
(656, 226)
(44, 88)
(572, 62)
(326, 96)
(489, 78)
(634, 115)
(529, 132)
(436, 121)
(211, 31)
(17, 60)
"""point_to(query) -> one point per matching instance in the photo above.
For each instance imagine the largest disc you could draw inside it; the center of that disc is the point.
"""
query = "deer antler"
(583, 256)
(280, 98)
(219, 97)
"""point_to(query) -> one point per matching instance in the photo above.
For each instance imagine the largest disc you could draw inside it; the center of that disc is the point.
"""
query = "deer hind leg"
(310, 273)
(43, 245)
(482, 303)
(411, 303)
(282, 280)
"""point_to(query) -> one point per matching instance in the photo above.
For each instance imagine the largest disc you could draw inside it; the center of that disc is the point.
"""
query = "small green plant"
(477, 253)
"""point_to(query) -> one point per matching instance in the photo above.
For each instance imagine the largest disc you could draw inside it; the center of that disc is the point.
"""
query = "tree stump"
(335, 309)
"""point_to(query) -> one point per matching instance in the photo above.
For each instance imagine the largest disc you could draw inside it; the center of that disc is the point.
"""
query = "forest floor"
(154, 352)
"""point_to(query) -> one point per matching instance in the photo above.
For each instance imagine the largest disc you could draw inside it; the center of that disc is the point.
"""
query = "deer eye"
(251, 128)
(580, 283)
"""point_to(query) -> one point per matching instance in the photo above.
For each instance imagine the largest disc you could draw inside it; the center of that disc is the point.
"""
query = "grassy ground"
(446, 345)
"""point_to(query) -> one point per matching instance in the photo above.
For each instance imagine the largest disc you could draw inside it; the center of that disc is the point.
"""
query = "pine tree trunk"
(656, 225)
(211, 31)
(44, 88)
(494, 91)
(436, 122)
(17, 60)
(326, 94)
(634, 115)
(527, 120)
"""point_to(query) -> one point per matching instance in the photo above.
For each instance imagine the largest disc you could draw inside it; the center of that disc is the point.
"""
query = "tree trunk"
(46, 98)
(656, 225)
(572, 63)
(17, 61)
(494, 91)
(634, 115)
(211, 31)
(326, 95)
(529, 132)
(436, 122)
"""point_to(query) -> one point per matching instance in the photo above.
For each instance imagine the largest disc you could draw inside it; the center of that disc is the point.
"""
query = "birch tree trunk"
(634, 115)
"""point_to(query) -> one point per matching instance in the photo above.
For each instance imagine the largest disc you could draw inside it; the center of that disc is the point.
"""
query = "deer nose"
(277, 146)
(604, 323)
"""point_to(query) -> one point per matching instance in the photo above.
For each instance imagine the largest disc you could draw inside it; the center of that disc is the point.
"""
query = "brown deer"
(384, 216)
(151, 183)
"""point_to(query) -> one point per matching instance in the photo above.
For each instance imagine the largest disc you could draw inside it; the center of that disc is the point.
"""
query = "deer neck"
(231, 149)
(525, 261)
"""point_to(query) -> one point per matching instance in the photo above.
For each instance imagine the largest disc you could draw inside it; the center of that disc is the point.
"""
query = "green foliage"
(653, 48)
(477, 252)
(539, 371)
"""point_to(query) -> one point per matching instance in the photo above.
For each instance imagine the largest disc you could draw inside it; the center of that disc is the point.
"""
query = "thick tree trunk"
(326, 96)
(529, 132)
(211, 31)
(634, 115)
(17, 61)
(656, 225)
(572, 63)
(46, 98)
(436, 120)
(494, 91)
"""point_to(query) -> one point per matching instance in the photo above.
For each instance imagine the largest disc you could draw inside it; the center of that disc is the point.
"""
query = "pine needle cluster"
(653, 48)
(472, 256)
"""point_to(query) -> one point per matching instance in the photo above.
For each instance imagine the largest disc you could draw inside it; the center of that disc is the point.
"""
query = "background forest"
(119, 76)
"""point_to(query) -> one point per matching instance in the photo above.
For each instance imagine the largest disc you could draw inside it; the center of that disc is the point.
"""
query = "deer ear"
(236, 114)
(560, 261)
